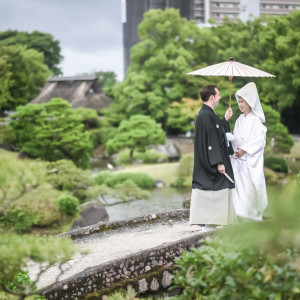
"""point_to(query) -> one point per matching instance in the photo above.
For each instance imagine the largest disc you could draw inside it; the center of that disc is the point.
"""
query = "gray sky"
(90, 31)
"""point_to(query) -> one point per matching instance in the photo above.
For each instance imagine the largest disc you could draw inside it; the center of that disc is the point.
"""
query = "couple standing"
(221, 158)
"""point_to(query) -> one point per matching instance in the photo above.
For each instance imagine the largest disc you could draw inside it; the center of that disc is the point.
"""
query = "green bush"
(21, 279)
(17, 250)
(7, 135)
(128, 190)
(21, 220)
(277, 164)
(179, 182)
(283, 140)
(95, 137)
(252, 260)
(186, 166)
(136, 134)
(88, 116)
(107, 133)
(65, 176)
(143, 181)
(51, 131)
(68, 205)
(29, 201)
(150, 156)
(221, 270)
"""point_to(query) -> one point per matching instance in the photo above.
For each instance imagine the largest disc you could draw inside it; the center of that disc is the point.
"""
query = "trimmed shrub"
(65, 176)
(95, 137)
(277, 164)
(52, 131)
(143, 181)
(221, 270)
(186, 165)
(68, 205)
(88, 116)
(107, 133)
(21, 220)
(150, 156)
(179, 182)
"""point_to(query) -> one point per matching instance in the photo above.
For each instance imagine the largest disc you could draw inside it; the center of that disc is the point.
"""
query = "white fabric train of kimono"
(250, 196)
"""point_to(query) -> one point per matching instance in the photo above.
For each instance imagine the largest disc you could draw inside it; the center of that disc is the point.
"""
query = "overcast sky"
(90, 31)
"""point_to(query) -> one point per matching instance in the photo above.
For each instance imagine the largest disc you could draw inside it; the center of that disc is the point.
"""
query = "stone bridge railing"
(147, 271)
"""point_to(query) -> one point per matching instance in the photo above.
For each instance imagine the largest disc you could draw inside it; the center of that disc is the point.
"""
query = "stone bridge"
(139, 252)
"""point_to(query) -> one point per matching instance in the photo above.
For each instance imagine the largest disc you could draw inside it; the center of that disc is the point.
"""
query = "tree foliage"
(63, 175)
(170, 47)
(136, 133)
(39, 41)
(52, 131)
(182, 114)
(17, 250)
(271, 44)
(27, 200)
(23, 72)
(283, 140)
(106, 79)
(254, 260)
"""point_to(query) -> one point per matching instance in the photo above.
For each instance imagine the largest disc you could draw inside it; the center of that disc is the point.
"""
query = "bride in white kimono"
(249, 196)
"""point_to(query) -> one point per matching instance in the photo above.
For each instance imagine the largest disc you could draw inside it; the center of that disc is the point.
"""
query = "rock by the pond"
(170, 150)
(159, 183)
(8, 147)
(90, 215)
(187, 201)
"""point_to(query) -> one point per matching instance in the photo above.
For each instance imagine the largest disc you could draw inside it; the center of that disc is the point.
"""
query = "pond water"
(162, 199)
(167, 198)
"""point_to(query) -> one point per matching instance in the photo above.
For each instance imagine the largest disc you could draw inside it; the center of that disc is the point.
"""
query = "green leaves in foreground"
(220, 270)
(247, 261)
(16, 251)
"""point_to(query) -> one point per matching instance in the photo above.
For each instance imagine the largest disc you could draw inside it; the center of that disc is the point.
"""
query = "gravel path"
(109, 245)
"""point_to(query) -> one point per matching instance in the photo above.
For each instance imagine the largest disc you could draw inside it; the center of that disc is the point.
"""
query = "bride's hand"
(239, 153)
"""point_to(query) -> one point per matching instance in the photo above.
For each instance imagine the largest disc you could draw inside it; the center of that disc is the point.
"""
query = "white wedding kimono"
(249, 196)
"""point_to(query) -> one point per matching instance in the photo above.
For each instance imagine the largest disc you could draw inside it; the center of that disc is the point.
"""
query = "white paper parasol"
(231, 68)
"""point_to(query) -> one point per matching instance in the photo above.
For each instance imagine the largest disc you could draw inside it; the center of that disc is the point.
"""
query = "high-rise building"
(242, 9)
(200, 11)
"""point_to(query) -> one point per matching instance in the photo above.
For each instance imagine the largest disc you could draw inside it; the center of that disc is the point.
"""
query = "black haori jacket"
(210, 149)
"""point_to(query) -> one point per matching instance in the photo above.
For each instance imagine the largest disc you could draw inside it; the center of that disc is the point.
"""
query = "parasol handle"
(230, 79)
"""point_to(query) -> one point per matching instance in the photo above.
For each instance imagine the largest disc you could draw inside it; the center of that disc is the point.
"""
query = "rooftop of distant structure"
(80, 91)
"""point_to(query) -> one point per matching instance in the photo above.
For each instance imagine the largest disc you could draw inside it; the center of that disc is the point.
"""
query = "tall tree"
(270, 44)
(42, 42)
(22, 74)
(170, 47)
(107, 81)
(5, 82)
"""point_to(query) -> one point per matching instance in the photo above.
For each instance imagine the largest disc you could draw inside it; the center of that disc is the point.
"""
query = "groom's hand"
(228, 114)
(221, 168)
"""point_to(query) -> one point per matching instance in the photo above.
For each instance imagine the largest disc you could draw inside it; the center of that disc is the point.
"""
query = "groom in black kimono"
(211, 201)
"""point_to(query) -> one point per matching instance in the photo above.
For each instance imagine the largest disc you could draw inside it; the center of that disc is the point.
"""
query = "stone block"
(143, 285)
(166, 279)
(154, 284)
